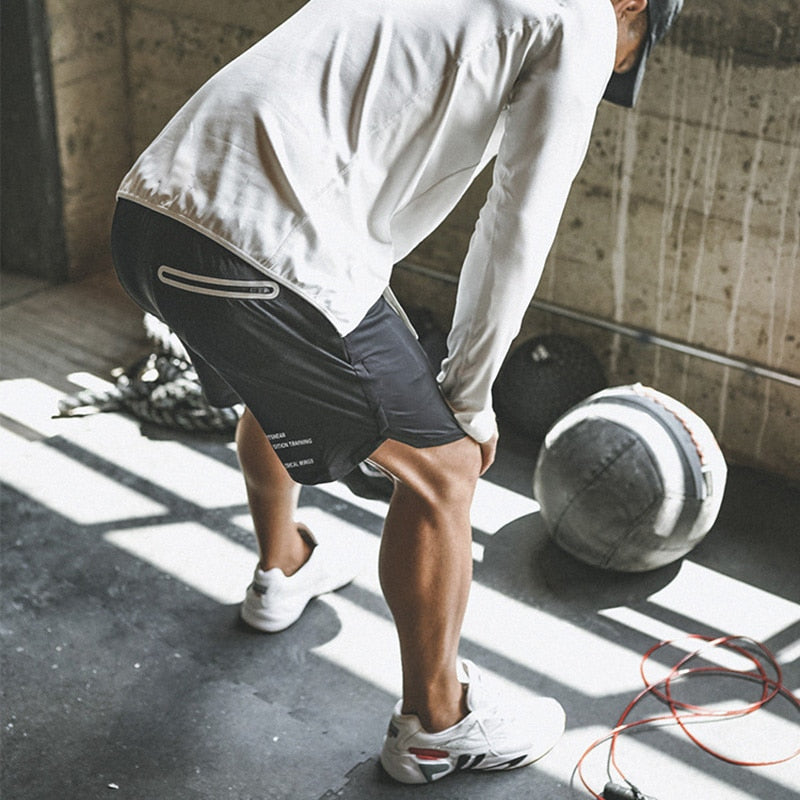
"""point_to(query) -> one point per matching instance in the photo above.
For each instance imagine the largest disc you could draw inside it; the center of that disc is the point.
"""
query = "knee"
(452, 474)
(440, 476)
(459, 464)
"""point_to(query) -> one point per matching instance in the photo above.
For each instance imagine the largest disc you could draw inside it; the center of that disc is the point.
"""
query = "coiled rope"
(161, 388)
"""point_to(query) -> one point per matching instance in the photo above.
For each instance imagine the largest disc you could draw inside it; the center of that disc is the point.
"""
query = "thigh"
(431, 471)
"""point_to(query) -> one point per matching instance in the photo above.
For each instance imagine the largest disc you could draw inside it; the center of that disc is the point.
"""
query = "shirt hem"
(222, 242)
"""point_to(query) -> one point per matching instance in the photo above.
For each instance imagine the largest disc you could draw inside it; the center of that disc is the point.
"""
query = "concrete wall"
(92, 112)
(684, 221)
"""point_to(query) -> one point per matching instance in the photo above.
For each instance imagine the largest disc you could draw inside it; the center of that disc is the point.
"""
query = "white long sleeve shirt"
(327, 151)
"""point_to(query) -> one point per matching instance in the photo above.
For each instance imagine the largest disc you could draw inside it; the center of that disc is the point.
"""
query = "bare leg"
(426, 570)
(425, 560)
(272, 496)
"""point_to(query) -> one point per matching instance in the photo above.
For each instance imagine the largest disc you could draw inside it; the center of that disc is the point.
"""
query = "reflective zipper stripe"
(225, 287)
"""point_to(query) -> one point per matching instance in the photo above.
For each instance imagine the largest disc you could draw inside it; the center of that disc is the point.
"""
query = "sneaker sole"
(256, 618)
(265, 624)
(415, 768)
(428, 765)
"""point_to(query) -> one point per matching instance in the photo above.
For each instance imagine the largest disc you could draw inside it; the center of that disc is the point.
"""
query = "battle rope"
(161, 388)
(766, 672)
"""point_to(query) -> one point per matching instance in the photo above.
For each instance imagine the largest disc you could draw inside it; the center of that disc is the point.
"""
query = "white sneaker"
(274, 600)
(483, 740)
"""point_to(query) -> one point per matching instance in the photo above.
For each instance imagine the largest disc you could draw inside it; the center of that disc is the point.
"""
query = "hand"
(488, 451)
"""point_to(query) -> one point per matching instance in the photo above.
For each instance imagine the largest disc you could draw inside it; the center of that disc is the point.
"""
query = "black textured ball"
(541, 379)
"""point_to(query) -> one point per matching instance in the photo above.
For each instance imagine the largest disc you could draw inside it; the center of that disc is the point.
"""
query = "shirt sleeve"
(549, 119)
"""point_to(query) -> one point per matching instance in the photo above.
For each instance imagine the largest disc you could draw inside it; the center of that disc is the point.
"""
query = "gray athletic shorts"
(324, 401)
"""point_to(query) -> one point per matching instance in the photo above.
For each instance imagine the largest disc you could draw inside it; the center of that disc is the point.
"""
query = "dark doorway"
(33, 241)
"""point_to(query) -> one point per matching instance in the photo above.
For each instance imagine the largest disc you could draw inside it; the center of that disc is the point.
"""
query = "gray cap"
(623, 88)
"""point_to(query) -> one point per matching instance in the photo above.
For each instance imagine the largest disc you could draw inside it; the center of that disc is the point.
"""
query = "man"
(262, 225)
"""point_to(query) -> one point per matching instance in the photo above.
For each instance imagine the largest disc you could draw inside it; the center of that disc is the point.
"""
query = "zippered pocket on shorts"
(231, 288)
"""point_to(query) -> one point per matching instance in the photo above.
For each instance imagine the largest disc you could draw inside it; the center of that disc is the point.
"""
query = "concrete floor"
(126, 673)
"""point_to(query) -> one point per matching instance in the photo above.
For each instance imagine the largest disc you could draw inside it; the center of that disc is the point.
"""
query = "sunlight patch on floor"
(201, 558)
(366, 646)
(548, 645)
(341, 492)
(118, 439)
(661, 632)
(667, 775)
(759, 737)
(170, 465)
(33, 404)
(704, 595)
(76, 492)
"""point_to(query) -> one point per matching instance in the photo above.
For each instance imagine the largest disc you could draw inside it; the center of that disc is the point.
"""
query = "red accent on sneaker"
(428, 755)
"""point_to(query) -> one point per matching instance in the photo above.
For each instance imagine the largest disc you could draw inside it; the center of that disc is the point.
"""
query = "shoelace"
(487, 708)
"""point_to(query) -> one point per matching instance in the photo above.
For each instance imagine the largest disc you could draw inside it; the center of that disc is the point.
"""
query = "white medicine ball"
(630, 479)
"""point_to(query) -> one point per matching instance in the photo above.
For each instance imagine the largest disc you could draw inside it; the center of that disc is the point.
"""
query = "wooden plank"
(87, 326)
